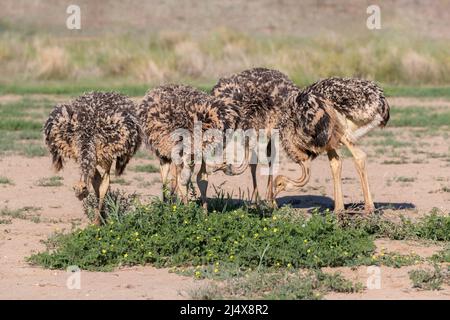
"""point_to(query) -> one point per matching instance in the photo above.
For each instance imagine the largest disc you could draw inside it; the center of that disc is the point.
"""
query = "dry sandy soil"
(427, 167)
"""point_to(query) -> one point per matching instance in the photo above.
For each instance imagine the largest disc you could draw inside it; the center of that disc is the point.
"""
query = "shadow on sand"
(312, 201)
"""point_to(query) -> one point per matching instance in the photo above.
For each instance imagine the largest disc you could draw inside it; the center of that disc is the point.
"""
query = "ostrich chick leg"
(255, 195)
(270, 151)
(104, 186)
(164, 168)
(202, 183)
(336, 169)
(183, 181)
(360, 163)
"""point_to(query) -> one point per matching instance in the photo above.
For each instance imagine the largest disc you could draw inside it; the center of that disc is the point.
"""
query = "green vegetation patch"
(174, 235)
(5, 180)
(429, 279)
(25, 213)
(419, 117)
(272, 284)
(54, 181)
(149, 168)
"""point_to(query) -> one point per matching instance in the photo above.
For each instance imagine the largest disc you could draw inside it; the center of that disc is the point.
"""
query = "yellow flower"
(186, 222)
(216, 270)
(265, 229)
(256, 235)
(125, 255)
(137, 239)
(112, 246)
(374, 257)
(274, 218)
(309, 250)
(231, 257)
(150, 253)
(217, 263)
(289, 265)
(305, 241)
(235, 242)
(103, 251)
(198, 274)
(275, 229)
(277, 264)
(174, 208)
(136, 234)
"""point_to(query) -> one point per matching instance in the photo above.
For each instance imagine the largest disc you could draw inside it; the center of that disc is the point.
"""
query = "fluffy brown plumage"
(324, 116)
(360, 102)
(95, 129)
(309, 126)
(168, 108)
(261, 96)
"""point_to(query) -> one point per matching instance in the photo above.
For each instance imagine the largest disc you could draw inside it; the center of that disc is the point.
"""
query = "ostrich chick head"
(282, 183)
(81, 190)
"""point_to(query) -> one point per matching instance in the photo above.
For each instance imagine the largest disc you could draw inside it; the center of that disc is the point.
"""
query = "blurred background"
(141, 43)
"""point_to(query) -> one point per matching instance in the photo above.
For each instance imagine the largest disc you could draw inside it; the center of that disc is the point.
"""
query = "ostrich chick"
(326, 115)
(170, 110)
(261, 96)
(94, 130)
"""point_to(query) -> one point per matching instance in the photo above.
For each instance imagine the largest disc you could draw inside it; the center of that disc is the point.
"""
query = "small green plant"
(54, 181)
(116, 204)
(149, 168)
(120, 181)
(405, 179)
(442, 256)
(34, 150)
(5, 180)
(278, 285)
(429, 279)
(435, 226)
(25, 213)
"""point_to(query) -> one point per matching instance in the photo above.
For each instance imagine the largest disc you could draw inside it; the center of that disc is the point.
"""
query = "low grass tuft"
(54, 181)
(5, 180)
(429, 279)
(25, 213)
(278, 285)
(149, 168)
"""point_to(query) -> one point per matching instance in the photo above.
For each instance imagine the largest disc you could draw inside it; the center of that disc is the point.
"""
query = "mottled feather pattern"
(359, 100)
(94, 129)
(260, 94)
(309, 127)
(168, 108)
